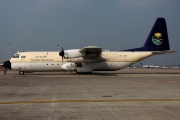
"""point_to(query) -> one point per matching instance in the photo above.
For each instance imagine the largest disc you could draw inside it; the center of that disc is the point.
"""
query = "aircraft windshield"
(23, 56)
(16, 56)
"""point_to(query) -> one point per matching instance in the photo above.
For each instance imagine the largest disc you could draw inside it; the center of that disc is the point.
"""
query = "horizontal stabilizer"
(163, 52)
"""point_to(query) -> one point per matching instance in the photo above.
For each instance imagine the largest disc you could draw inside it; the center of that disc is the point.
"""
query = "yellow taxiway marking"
(85, 101)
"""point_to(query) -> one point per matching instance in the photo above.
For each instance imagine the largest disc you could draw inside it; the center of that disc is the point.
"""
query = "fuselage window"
(16, 56)
(23, 56)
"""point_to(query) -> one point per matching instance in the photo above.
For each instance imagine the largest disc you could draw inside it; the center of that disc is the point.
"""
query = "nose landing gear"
(21, 72)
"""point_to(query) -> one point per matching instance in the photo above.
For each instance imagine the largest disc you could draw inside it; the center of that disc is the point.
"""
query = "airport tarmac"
(127, 94)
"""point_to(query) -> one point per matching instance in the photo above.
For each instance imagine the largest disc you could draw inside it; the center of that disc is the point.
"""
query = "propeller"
(62, 54)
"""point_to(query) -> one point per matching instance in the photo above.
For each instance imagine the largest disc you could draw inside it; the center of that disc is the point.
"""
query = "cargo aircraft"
(92, 58)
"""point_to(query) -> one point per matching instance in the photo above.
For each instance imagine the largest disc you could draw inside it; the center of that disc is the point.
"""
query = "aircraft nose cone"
(7, 64)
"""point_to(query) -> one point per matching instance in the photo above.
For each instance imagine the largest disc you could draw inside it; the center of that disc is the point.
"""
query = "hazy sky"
(41, 25)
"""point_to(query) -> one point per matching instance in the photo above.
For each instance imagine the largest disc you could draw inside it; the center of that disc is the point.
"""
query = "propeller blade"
(62, 54)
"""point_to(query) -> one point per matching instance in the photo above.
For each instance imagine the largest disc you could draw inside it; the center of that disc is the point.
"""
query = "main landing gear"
(83, 72)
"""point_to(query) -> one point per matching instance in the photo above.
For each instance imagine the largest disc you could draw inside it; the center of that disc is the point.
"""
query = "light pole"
(9, 51)
(58, 47)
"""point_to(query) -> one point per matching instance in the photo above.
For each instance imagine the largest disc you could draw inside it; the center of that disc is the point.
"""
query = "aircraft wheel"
(21, 72)
(88, 73)
(79, 72)
(83, 72)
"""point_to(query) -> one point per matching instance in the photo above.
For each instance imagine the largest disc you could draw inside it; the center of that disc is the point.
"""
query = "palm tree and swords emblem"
(156, 39)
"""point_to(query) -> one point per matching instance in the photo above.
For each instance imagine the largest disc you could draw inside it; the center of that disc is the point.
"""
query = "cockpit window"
(23, 56)
(16, 56)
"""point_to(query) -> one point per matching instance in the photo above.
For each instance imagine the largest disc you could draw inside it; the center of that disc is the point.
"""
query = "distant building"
(164, 67)
(148, 66)
(175, 67)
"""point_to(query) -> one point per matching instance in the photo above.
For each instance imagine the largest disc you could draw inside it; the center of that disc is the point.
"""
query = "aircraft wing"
(92, 54)
(91, 49)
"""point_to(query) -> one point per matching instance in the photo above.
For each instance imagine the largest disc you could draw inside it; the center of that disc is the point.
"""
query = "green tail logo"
(156, 39)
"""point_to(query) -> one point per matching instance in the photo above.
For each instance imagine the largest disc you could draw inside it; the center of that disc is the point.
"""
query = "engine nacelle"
(73, 53)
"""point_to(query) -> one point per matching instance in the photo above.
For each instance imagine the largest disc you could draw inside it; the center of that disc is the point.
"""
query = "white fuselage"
(51, 61)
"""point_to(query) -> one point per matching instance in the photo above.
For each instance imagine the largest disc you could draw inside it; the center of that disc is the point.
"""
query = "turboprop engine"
(75, 53)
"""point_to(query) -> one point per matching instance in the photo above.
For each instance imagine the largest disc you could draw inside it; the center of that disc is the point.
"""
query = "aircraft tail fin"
(158, 38)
